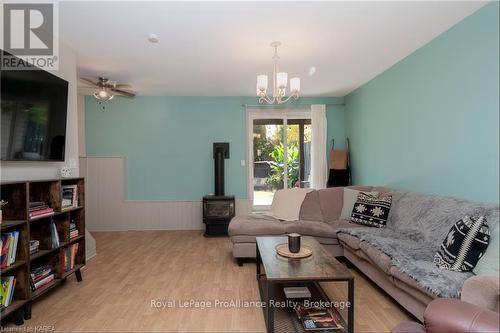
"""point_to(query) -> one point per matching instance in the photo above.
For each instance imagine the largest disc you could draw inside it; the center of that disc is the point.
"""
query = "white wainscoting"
(108, 210)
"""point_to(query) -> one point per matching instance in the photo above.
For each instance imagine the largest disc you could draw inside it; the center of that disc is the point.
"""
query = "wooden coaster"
(305, 251)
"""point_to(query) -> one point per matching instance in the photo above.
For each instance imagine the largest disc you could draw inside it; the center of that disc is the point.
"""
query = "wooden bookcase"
(16, 217)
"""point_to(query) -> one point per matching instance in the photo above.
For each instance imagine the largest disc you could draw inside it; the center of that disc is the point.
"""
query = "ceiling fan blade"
(122, 85)
(123, 92)
(89, 81)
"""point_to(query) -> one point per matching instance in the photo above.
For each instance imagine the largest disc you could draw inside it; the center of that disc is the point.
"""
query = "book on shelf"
(68, 256)
(34, 204)
(37, 208)
(73, 231)
(43, 282)
(54, 235)
(34, 246)
(8, 244)
(41, 276)
(69, 196)
(318, 318)
(40, 271)
(7, 286)
(42, 212)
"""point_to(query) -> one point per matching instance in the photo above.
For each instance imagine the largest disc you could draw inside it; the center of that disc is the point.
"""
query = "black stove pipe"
(219, 171)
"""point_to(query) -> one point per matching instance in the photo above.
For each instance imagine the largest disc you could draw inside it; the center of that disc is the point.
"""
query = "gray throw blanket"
(412, 255)
(416, 228)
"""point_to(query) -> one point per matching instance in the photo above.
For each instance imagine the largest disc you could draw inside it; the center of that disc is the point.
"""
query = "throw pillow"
(489, 263)
(310, 209)
(286, 203)
(350, 197)
(371, 211)
(465, 243)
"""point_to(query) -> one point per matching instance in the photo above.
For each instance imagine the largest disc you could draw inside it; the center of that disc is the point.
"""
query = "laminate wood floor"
(133, 268)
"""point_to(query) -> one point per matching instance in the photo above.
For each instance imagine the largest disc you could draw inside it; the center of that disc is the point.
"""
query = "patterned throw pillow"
(371, 211)
(464, 245)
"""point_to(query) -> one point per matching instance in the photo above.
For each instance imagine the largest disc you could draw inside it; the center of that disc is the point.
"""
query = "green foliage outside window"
(275, 180)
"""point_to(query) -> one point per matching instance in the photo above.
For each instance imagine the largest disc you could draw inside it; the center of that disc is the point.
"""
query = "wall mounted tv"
(33, 115)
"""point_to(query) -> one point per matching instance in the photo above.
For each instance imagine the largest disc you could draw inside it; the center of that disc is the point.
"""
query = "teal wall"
(430, 123)
(168, 141)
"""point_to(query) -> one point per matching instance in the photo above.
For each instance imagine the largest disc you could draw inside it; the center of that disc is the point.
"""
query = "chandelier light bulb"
(262, 83)
(295, 84)
(282, 80)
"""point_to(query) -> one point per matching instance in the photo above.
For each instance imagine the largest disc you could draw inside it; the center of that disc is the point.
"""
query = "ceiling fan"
(107, 89)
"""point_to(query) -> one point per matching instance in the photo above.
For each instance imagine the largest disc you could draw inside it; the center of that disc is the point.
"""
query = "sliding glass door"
(280, 151)
(268, 168)
(298, 133)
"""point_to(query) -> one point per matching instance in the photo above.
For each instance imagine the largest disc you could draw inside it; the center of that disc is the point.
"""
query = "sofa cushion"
(331, 201)
(403, 278)
(376, 256)
(382, 190)
(350, 240)
(327, 240)
(255, 224)
(287, 203)
(483, 291)
(349, 200)
(489, 263)
(311, 228)
(249, 239)
(310, 209)
(244, 229)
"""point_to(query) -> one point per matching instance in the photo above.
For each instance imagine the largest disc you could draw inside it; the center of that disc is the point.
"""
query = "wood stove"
(218, 209)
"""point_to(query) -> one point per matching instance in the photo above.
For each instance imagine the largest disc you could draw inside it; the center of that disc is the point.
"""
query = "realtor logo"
(29, 31)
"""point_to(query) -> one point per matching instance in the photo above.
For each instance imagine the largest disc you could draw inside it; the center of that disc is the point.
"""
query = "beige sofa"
(319, 217)
(417, 224)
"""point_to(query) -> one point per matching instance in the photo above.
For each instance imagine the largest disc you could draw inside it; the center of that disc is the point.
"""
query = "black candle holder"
(294, 242)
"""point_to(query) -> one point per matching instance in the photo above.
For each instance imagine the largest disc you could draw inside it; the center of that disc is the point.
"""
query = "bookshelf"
(16, 218)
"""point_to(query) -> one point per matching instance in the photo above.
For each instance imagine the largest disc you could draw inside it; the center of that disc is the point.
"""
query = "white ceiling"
(217, 48)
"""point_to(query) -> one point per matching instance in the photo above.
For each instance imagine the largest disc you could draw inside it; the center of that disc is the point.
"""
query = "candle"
(294, 242)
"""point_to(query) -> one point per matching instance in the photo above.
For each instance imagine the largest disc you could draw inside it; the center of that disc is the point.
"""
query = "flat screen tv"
(33, 115)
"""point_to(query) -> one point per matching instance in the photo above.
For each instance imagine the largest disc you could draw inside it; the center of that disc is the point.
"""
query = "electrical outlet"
(242, 163)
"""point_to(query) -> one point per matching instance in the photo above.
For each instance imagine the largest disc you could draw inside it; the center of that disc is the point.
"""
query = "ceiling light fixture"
(106, 89)
(280, 82)
(103, 95)
(153, 38)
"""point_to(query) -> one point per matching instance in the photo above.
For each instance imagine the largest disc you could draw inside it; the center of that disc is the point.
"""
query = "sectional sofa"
(398, 258)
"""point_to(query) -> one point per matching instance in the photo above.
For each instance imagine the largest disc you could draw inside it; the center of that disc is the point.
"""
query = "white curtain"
(319, 170)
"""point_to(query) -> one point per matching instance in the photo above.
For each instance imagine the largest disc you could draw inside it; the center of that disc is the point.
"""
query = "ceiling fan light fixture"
(103, 95)
(105, 89)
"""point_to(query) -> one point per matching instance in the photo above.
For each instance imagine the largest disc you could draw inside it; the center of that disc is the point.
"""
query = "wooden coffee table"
(275, 272)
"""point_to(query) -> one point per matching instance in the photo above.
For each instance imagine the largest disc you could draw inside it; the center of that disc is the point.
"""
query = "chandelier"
(280, 82)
